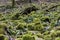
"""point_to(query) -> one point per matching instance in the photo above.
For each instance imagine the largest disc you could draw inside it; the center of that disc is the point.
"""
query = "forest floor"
(33, 21)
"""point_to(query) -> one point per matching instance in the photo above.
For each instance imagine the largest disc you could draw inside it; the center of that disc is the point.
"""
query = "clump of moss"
(2, 37)
(28, 37)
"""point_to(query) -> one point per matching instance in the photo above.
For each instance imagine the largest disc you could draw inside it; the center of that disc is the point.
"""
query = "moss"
(21, 26)
(58, 38)
(2, 37)
(45, 21)
(26, 37)
(48, 37)
(2, 26)
(38, 27)
(39, 35)
(31, 26)
(2, 31)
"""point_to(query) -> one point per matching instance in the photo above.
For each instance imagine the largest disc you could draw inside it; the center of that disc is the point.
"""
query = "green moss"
(48, 37)
(2, 37)
(28, 37)
(45, 21)
(58, 38)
